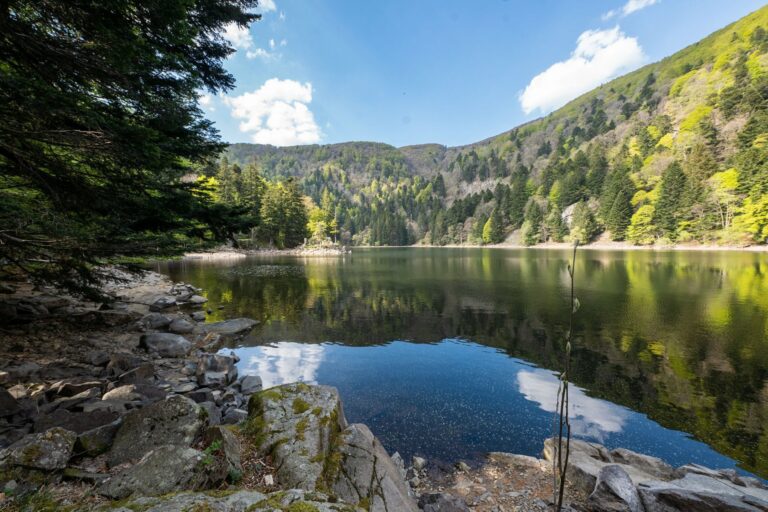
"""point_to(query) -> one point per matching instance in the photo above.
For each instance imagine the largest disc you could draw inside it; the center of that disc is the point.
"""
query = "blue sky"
(416, 71)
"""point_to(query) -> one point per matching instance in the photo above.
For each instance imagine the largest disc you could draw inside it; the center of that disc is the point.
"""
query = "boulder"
(667, 497)
(212, 411)
(162, 304)
(367, 474)
(651, 465)
(8, 404)
(614, 492)
(198, 316)
(234, 416)
(142, 374)
(296, 424)
(119, 363)
(234, 327)
(587, 459)
(227, 449)
(50, 450)
(442, 502)
(155, 321)
(174, 421)
(181, 326)
(77, 422)
(166, 344)
(165, 469)
(135, 392)
(72, 402)
(197, 299)
(216, 370)
(293, 500)
(97, 440)
(250, 384)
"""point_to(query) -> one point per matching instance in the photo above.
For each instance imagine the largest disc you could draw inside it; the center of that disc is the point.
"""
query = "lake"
(451, 353)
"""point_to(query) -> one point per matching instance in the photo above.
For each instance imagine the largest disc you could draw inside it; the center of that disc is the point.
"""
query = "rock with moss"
(165, 469)
(297, 425)
(176, 421)
(49, 451)
(237, 501)
(366, 473)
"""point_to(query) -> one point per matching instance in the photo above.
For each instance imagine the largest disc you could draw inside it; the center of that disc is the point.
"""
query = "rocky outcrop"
(304, 429)
(175, 421)
(297, 424)
(623, 480)
(228, 328)
(162, 470)
(241, 501)
(48, 451)
(367, 474)
(166, 344)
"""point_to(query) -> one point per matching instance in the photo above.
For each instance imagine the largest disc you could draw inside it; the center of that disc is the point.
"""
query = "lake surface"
(450, 353)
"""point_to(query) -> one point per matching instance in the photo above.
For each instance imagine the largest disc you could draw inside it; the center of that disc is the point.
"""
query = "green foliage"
(641, 229)
(531, 230)
(283, 215)
(100, 125)
(669, 207)
(583, 226)
(493, 231)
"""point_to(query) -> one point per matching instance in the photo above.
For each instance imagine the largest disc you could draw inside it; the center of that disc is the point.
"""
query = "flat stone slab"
(233, 327)
(49, 450)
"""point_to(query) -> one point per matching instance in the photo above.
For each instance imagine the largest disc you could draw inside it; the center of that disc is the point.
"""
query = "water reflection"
(590, 417)
(290, 362)
(680, 337)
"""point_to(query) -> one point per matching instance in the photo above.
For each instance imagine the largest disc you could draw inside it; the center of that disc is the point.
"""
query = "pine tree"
(583, 225)
(493, 231)
(556, 228)
(619, 216)
(518, 200)
(531, 229)
(668, 206)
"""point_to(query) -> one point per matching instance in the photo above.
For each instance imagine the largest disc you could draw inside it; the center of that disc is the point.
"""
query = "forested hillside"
(674, 152)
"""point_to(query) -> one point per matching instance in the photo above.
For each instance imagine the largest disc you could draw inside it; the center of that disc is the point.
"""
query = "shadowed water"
(449, 353)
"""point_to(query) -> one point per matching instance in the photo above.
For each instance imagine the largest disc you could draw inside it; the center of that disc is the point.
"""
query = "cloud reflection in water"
(590, 417)
(285, 362)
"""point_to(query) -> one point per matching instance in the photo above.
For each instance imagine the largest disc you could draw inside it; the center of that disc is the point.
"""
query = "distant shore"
(223, 254)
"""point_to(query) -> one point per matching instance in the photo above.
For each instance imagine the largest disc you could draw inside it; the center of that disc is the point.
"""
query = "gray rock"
(200, 395)
(198, 316)
(368, 474)
(166, 344)
(174, 421)
(227, 451)
(216, 370)
(163, 470)
(142, 391)
(155, 321)
(77, 422)
(142, 374)
(181, 326)
(651, 465)
(250, 384)
(614, 492)
(8, 404)
(667, 497)
(120, 363)
(442, 502)
(297, 424)
(197, 299)
(213, 412)
(48, 451)
(399, 463)
(73, 386)
(98, 357)
(241, 501)
(234, 327)
(234, 416)
(97, 440)
(162, 304)
(418, 463)
(72, 402)
(118, 406)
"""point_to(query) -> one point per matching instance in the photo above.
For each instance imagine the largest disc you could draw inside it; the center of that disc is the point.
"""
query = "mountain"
(676, 151)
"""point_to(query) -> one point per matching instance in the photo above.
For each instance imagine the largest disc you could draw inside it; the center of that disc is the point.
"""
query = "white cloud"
(239, 37)
(206, 101)
(267, 5)
(628, 8)
(590, 417)
(600, 55)
(283, 42)
(272, 44)
(277, 113)
(282, 16)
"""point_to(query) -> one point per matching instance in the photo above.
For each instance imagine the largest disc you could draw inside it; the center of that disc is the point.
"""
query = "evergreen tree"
(668, 206)
(531, 230)
(477, 228)
(518, 200)
(619, 215)
(100, 125)
(556, 228)
(583, 225)
(493, 231)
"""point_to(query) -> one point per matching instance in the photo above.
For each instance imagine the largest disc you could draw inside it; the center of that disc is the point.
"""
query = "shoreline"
(222, 254)
(595, 246)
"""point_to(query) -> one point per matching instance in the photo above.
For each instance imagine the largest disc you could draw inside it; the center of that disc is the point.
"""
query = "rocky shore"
(129, 405)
